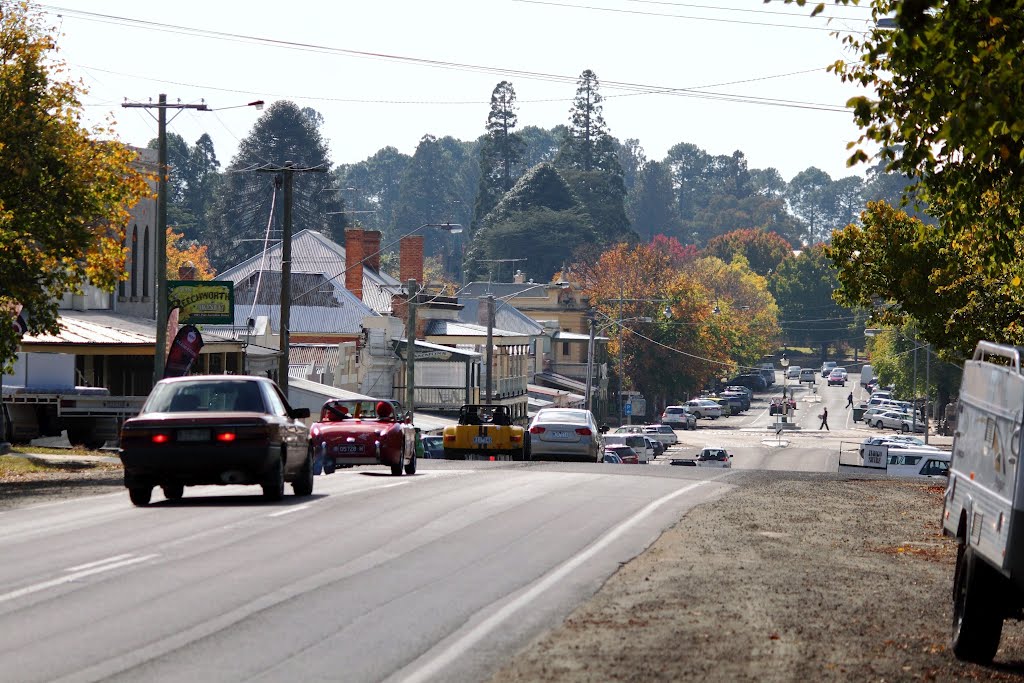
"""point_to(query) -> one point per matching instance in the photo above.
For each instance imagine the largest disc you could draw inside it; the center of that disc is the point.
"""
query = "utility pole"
(160, 287)
(410, 349)
(284, 180)
(489, 354)
(590, 358)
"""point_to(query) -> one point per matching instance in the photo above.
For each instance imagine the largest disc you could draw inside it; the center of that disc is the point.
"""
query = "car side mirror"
(299, 413)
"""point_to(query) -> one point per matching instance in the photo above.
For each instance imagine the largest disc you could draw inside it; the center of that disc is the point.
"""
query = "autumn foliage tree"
(183, 253)
(64, 195)
(763, 250)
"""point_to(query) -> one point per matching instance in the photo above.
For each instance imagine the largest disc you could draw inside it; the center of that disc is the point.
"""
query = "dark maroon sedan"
(216, 429)
(363, 432)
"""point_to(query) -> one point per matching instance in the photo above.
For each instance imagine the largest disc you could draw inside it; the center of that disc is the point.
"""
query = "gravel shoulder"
(789, 577)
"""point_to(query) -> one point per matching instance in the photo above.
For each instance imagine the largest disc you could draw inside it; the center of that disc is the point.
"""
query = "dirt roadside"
(789, 577)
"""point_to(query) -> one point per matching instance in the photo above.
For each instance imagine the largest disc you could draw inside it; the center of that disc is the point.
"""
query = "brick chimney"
(371, 249)
(354, 261)
(410, 259)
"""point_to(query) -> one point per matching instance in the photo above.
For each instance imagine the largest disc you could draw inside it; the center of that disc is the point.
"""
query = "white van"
(808, 375)
(867, 374)
(908, 463)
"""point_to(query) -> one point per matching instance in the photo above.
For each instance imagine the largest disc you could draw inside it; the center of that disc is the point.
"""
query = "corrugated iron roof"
(105, 328)
(315, 254)
(456, 328)
(506, 316)
(347, 319)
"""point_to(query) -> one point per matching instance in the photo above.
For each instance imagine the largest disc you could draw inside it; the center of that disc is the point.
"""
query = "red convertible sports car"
(355, 432)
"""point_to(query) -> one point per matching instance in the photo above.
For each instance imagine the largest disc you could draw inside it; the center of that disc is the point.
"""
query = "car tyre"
(140, 495)
(410, 469)
(977, 619)
(173, 491)
(904, 428)
(303, 485)
(396, 470)
(879, 425)
(273, 483)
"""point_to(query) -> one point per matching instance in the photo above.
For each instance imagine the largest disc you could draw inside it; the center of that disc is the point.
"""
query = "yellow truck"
(486, 431)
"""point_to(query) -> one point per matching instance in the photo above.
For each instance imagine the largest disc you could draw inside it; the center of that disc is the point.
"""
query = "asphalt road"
(439, 576)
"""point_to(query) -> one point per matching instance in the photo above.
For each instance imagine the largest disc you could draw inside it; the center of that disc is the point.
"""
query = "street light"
(784, 362)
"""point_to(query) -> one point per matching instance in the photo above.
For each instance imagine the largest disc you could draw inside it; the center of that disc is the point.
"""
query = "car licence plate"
(560, 435)
(348, 448)
(194, 435)
(482, 440)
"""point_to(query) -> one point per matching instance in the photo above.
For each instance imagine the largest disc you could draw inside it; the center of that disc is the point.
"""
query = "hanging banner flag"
(20, 320)
(184, 351)
(172, 330)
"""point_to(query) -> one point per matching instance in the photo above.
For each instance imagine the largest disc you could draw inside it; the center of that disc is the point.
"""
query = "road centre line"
(89, 565)
(289, 511)
(52, 583)
(466, 642)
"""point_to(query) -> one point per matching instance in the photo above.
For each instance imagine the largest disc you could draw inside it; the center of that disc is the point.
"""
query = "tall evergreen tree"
(242, 205)
(500, 151)
(587, 145)
(372, 187)
(653, 205)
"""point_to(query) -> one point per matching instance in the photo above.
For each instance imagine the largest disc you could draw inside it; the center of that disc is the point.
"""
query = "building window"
(565, 348)
(145, 262)
(135, 262)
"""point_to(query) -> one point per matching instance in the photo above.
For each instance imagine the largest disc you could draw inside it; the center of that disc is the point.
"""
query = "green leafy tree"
(652, 203)
(763, 251)
(192, 181)
(372, 188)
(803, 287)
(540, 145)
(809, 197)
(243, 201)
(500, 151)
(539, 219)
(631, 160)
(64, 194)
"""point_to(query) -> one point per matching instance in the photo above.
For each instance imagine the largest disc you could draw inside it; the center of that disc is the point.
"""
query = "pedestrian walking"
(849, 400)
(824, 420)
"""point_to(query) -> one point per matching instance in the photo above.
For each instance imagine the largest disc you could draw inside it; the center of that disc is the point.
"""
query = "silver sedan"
(565, 434)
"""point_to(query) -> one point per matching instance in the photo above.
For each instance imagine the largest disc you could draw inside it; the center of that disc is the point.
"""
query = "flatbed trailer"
(91, 416)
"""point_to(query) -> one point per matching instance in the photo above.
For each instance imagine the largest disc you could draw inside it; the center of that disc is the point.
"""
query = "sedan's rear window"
(562, 416)
(204, 395)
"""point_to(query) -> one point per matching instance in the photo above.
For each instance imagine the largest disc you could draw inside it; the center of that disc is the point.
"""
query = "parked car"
(216, 429)
(836, 377)
(433, 446)
(739, 388)
(722, 403)
(354, 432)
(767, 371)
(679, 417)
(904, 422)
(702, 407)
(714, 456)
(752, 380)
(654, 446)
(625, 454)
(918, 465)
(739, 401)
(827, 367)
(664, 433)
(565, 433)
(611, 457)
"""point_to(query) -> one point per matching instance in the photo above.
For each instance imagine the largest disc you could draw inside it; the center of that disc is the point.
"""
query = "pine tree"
(587, 145)
(500, 150)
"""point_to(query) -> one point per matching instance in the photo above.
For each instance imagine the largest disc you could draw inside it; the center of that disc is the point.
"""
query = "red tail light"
(536, 430)
(226, 437)
(160, 438)
(449, 437)
(583, 431)
(515, 437)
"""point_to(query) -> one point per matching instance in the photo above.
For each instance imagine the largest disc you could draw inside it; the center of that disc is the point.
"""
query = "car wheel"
(303, 485)
(173, 491)
(273, 482)
(904, 428)
(879, 425)
(140, 495)
(396, 470)
(977, 618)
(330, 463)
(410, 469)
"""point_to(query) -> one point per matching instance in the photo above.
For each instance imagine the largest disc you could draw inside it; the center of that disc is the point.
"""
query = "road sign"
(627, 408)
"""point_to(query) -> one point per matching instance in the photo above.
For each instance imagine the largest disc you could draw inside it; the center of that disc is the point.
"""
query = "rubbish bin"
(858, 413)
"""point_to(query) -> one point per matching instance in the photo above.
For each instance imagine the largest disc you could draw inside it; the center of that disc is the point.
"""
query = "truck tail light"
(536, 430)
(449, 437)
(515, 437)
(583, 431)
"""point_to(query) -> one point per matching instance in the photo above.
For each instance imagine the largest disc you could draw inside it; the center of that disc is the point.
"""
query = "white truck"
(984, 501)
(41, 399)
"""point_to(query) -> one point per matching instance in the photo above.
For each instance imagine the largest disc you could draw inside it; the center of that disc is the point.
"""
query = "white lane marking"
(458, 648)
(97, 563)
(35, 588)
(289, 511)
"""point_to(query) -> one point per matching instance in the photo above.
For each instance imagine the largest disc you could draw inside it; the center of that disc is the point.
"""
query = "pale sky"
(726, 53)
